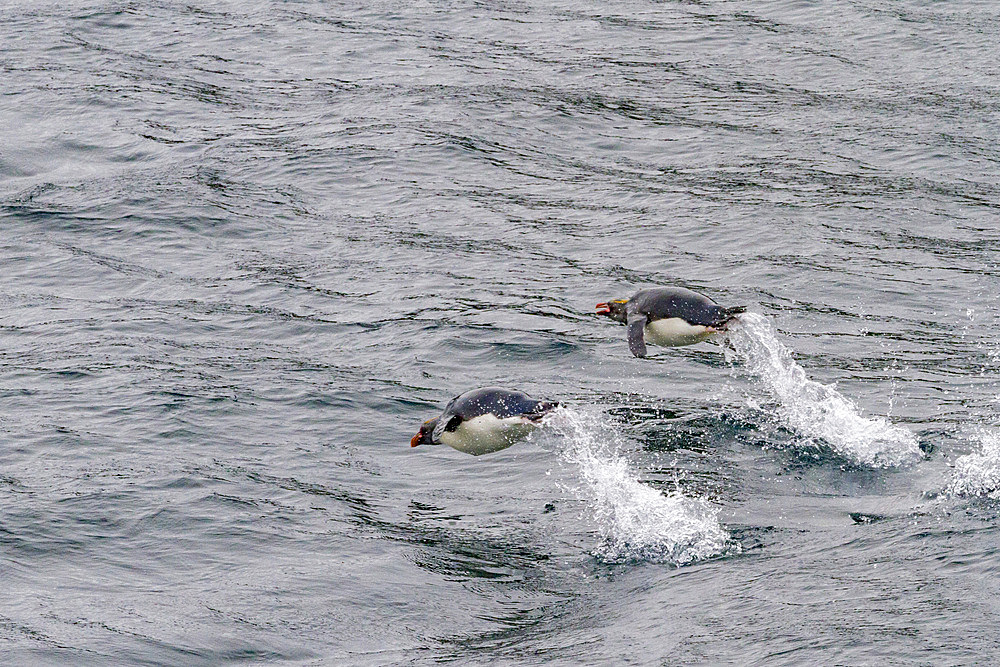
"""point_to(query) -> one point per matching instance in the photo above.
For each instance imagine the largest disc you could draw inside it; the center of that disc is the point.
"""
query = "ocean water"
(247, 248)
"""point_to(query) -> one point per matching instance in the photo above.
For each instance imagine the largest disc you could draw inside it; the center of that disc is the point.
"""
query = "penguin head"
(425, 435)
(614, 309)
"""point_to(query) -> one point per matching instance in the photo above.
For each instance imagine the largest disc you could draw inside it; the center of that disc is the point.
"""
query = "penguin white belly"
(486, 434)
(674, 332)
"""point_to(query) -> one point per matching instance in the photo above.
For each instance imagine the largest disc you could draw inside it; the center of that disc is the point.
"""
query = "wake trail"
(635, 522)
(816, 411)
(978, 474)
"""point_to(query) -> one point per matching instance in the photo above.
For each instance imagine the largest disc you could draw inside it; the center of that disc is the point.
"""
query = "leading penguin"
(668, 316)
(483, 421)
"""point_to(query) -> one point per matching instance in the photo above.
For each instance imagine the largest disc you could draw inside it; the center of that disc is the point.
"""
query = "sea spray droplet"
(815, 410)
(978, 474)
(636, 522)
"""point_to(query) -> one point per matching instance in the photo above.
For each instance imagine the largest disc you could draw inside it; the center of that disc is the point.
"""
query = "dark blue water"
(247, 248)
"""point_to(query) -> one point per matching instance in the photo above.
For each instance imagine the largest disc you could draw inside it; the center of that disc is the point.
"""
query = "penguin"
(483, 421)
(668, 316)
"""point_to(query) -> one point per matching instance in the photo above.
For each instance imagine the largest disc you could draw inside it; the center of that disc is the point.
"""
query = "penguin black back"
(499, 402)
(666, 302)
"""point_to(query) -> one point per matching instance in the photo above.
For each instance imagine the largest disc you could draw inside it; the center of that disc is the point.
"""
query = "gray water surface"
(247, 248)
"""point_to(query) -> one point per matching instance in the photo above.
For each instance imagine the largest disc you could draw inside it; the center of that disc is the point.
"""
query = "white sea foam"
(816, 411)
(635, 521)
(978, 474)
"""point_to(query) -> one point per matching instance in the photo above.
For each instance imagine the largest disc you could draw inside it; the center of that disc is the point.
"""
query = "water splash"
(814, 410)
(636, 522)
(978, 474)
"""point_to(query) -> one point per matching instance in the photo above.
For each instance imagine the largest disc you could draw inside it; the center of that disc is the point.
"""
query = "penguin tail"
(540, 410)
(734, 311)
(728, 314)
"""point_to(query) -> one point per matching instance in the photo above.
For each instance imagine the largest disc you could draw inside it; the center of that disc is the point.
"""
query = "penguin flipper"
(445, 426)
(636, 324)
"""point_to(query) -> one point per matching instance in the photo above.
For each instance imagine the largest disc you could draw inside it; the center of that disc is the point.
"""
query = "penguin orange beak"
(603, 309)
(415, 440)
